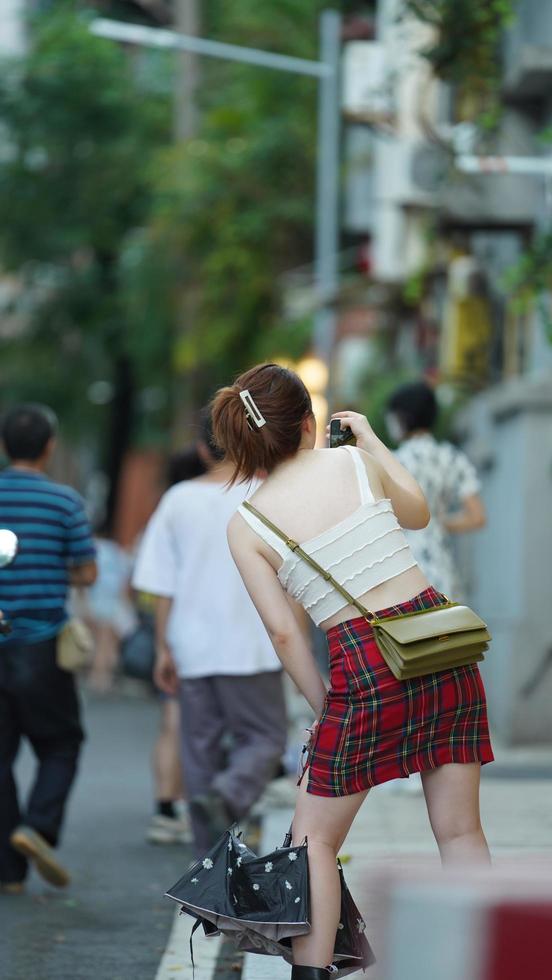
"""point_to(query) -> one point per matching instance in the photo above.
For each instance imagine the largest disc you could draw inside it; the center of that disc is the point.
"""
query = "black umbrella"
(262, 902)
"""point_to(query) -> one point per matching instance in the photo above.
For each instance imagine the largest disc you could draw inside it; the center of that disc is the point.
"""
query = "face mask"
(394, 427)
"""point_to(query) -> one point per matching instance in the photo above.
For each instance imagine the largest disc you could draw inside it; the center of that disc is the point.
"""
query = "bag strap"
(297, 549)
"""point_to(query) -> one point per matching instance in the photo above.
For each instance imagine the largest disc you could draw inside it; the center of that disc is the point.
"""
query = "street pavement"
(113, 922)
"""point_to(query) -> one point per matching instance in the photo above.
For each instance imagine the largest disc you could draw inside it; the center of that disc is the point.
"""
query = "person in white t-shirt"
(212, 649)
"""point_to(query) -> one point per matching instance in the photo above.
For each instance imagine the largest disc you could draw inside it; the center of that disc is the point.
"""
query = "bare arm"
(164, 671)
(301, 617)
(471, 516)
(85, 574)
(162, 609)
(279, 619)
(399, 485)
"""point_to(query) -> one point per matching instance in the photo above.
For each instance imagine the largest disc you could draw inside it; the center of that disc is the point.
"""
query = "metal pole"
(187, 75)
(327, 185)
(529, 166)
(186, 126)
(157, 37)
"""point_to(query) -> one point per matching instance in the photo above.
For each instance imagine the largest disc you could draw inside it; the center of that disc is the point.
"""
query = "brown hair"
(282, 400)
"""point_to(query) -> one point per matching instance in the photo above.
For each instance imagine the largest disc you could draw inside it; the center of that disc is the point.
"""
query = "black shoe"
(213, 813)
(310, 973)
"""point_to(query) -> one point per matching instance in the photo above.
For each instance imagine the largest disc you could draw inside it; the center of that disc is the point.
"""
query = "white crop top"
(365, 549)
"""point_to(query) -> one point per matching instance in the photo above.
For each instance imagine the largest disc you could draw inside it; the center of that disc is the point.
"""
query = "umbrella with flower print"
(263, 902)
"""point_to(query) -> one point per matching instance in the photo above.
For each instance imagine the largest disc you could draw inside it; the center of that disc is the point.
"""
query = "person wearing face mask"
(445, 474)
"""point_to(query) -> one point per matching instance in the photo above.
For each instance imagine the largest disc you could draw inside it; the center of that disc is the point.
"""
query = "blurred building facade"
(447, 239)
(422, 217)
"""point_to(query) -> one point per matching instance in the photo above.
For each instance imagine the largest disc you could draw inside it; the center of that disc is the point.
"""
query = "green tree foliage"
(528, 281)
(466, 47)
(138, 256)
(233, 207)
(78, 137)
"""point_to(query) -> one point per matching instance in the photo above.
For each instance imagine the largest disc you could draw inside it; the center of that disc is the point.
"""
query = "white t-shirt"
(213, 626)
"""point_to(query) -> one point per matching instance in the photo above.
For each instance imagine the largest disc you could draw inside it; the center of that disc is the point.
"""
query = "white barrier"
(484, 925)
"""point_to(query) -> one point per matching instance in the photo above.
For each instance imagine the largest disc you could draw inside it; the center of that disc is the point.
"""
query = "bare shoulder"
(241, 537)
(236, 528)
(237, 533)
(367, 457)
(375, 470)
(234, 522)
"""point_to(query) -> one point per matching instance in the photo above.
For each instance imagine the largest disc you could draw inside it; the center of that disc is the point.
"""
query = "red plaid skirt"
(375, 728)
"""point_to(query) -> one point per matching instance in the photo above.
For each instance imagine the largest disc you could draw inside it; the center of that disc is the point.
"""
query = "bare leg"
(452, 799)
(167, 767)
(106, 644)
(325, 821)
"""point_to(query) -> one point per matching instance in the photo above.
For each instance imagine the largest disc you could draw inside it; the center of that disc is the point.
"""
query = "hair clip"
(251, 409)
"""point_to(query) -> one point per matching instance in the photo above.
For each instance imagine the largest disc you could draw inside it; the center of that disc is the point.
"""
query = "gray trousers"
(251, 709)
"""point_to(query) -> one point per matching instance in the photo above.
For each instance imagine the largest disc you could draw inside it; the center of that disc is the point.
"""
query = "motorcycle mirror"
(8, 547)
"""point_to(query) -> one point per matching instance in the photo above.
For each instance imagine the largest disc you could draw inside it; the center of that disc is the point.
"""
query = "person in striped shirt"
(38, 700)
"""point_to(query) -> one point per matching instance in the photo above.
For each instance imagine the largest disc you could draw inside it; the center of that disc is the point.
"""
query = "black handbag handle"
(288, 839)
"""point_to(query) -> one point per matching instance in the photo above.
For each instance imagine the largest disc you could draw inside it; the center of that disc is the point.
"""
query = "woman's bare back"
(315, 491)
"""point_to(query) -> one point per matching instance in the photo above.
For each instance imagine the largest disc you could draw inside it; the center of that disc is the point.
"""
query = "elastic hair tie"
(251, 410)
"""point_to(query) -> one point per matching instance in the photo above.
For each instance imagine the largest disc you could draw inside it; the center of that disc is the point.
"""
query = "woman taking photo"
(347, 508)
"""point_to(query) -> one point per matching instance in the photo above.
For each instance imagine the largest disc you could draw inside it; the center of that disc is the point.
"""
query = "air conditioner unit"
(366, 82)
(409, 172)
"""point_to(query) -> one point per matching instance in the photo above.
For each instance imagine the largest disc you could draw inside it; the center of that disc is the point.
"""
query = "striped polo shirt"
(54, 534)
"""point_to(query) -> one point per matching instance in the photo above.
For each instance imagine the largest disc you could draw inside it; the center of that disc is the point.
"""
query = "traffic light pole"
(327, 188)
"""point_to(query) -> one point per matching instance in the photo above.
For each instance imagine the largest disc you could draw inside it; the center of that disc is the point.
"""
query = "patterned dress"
(446, 477)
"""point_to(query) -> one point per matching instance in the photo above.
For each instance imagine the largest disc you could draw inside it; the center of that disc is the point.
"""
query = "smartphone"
(339, 436)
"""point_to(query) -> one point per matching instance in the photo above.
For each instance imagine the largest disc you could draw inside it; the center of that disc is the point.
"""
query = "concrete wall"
(528, 51)
(535, 21)
(509, 436)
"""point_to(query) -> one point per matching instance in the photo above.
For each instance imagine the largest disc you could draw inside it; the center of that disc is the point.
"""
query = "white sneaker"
(169, 830)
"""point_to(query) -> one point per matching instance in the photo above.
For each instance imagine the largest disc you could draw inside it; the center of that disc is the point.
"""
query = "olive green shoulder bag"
(412, 644)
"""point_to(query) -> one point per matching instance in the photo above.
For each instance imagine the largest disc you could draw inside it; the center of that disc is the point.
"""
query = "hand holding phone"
(363, 433)
(339, 436)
